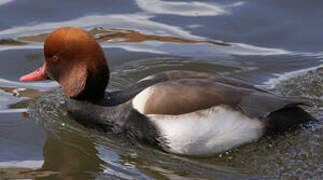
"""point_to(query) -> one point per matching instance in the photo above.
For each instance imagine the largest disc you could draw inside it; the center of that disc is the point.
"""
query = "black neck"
(120, 119)
(94, 90)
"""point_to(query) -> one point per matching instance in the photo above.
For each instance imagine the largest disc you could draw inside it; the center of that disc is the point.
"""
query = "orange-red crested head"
(76, 61)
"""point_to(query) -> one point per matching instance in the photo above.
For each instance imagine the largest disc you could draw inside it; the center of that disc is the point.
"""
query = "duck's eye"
(52, 59)
(55, 58)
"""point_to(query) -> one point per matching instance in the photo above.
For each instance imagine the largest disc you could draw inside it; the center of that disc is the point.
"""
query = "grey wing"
(187, 95)
(260, 105)
(121, 96)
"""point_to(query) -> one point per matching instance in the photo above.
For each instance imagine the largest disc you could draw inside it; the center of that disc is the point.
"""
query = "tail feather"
(286, 119)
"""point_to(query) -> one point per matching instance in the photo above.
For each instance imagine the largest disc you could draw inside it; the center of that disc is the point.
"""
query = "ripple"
(3, 2)
(308, 85)
(194, 8)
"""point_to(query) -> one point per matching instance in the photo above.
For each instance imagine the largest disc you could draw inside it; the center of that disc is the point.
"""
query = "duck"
(181, 112)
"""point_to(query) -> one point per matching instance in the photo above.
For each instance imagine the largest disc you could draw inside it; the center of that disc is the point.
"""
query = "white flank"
(208, 131)
(140, 100)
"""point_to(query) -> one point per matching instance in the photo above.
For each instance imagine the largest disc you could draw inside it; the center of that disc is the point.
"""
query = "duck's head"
(76, 61)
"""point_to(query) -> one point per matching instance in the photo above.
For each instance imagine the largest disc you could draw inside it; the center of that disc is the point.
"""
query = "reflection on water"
(21, 92)
(10, 42)
(5, 2)
(184, 8)
(69, 145)
(123, 35)
(21, 143)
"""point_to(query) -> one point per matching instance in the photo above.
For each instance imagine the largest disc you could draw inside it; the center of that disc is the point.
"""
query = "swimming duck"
(183, 112)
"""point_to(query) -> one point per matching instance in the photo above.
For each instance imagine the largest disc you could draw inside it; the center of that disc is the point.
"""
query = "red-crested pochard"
(184, 112)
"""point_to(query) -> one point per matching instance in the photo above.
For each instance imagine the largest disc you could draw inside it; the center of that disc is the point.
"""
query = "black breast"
(120, 120)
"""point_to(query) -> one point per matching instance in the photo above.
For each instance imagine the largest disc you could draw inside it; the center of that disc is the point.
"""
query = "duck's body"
(190, 113)
(183, 112)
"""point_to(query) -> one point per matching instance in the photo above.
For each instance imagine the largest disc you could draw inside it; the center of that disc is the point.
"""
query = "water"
(275, 45)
